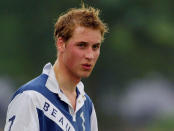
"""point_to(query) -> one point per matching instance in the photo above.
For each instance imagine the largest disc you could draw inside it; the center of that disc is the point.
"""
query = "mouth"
(86, 66)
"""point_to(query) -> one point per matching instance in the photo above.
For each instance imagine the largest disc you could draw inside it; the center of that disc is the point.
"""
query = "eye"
(96, 46)
(82, 44)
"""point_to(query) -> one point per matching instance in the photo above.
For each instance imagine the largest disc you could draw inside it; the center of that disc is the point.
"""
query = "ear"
(60, 44)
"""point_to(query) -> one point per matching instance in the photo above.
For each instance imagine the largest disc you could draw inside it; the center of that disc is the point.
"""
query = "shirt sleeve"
(94, 125)
(22, 114)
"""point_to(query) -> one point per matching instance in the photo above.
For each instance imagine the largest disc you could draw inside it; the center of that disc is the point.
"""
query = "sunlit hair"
(85, 16)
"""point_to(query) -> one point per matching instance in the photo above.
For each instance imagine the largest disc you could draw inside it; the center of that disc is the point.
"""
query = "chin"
(85, 75)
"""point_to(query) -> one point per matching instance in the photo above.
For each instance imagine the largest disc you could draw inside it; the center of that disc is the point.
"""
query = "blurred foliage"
(163, 124)
(140, 41)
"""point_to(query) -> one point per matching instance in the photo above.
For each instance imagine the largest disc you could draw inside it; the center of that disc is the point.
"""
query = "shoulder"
(33, 85)
(88, 99)
(88, 103)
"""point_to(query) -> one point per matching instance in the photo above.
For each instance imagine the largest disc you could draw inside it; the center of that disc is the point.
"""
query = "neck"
(67, 82)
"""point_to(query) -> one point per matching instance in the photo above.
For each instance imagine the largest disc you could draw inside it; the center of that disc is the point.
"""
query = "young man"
(55, 100)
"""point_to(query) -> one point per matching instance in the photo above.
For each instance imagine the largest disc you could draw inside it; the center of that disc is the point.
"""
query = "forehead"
(86, 34)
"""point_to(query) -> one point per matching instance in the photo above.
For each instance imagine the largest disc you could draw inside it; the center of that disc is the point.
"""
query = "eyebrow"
(87, 43)
(82, 42)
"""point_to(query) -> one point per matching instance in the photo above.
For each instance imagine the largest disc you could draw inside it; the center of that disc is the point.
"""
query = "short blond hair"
(85, 16)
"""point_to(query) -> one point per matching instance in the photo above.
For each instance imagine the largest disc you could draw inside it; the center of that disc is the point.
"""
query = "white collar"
(53, 86)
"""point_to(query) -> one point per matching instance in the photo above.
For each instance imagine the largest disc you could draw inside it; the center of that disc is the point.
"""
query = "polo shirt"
(40, 105)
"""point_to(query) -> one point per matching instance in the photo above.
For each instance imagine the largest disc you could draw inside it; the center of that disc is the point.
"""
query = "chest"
(57, 116)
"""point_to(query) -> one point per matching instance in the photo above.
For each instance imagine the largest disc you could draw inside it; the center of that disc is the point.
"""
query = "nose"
(89, 54)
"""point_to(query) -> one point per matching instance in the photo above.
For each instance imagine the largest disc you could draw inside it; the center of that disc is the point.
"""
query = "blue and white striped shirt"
(40, 105)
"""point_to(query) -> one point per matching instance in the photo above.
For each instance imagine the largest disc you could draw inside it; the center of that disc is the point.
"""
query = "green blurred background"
(132, 83)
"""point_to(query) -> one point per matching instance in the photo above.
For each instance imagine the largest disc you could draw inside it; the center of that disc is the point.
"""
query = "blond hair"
(85, 16)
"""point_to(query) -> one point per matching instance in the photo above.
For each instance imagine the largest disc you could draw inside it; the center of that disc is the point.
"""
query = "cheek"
(97, 54)
(74, 57)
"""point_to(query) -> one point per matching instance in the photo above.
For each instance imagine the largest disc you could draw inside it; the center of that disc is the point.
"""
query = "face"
(82, 51)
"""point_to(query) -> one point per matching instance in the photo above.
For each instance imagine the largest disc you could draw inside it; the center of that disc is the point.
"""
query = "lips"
(87, 66)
